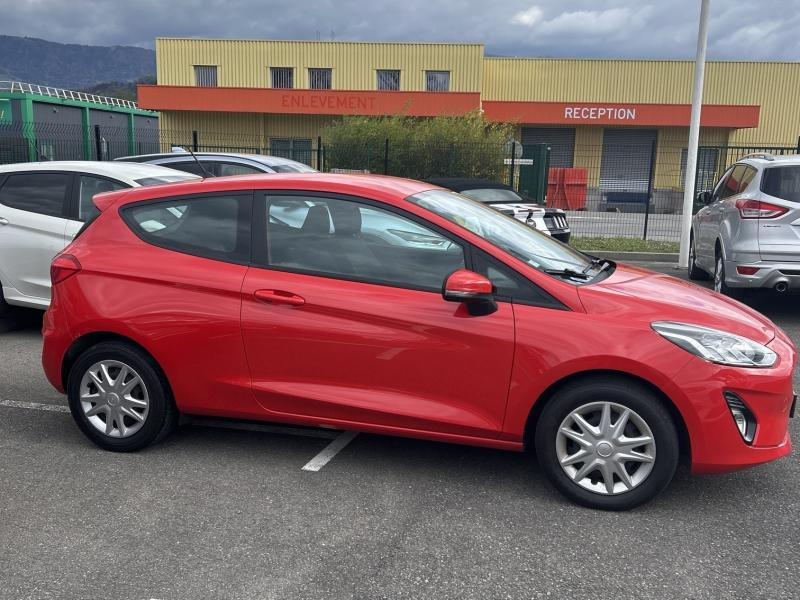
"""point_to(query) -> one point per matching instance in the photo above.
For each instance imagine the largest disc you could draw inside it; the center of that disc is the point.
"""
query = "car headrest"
(346, 218)
(317, 221)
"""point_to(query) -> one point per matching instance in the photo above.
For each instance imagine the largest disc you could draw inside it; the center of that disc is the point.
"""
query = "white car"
(43, 206)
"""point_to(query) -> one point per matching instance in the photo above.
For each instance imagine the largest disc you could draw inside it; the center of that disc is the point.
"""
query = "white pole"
(694, 133)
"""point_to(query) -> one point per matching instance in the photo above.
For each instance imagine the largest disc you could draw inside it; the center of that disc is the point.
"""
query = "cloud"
(739, 29)
(584, 22)
(529, 17)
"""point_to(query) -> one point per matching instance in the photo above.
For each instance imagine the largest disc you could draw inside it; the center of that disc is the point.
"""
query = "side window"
(510, 285)
(747, 177)
(720, 185)
(41, 193)
(731, 185)
(191, 167)
(352, 240)
(213, 227)
(226, 169)
(88, 187)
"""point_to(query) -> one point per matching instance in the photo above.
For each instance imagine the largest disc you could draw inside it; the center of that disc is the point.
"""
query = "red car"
(392, 306)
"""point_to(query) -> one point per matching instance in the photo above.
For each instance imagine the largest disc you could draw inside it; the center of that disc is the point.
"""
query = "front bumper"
(769, 274)
(716, 444)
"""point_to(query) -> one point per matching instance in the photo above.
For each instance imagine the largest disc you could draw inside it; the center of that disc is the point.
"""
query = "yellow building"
(618, 119)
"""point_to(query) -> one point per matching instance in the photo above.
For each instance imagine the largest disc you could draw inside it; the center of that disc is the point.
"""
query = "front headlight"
(716, 346)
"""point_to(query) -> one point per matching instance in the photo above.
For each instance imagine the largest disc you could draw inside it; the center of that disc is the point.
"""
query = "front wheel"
(119, 397)
(607, 444)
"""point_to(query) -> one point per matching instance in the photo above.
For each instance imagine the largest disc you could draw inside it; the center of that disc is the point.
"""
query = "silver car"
(221, 164)
(747, 235)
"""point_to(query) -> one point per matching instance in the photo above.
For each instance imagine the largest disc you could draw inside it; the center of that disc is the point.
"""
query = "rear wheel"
(719, 279)
(607, 443)
(695, 272)
(119, 398)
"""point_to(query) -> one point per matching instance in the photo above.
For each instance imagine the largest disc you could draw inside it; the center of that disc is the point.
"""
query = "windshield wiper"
(567, 273)
(603, 263)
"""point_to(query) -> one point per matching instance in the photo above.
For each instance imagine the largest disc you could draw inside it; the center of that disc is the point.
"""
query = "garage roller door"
(560, 139)
(625, 164)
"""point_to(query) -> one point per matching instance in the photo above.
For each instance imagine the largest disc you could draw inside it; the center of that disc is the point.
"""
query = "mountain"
(126, 90)
(72, 66)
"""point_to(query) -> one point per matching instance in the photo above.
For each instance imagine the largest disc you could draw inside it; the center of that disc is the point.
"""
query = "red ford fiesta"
(391, 306)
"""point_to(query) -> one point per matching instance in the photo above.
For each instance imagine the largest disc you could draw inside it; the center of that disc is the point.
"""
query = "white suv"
(747, 235)
(42, 207)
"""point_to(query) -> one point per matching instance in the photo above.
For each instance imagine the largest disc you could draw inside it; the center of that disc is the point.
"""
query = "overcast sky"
(740, 29)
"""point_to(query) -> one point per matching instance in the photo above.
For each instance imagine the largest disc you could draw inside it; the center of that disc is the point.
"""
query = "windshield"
(291, 168)
(528, 245)
(489, 195)
(165, 179)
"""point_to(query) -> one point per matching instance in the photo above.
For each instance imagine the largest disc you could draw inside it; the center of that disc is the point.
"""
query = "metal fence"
(631, 188)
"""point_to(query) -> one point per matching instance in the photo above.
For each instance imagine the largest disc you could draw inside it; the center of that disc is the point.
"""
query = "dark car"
(507, 200)
(221, 164)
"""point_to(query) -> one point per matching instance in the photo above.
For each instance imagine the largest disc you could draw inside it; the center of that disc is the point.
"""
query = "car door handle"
(279, 297)
(3, 221)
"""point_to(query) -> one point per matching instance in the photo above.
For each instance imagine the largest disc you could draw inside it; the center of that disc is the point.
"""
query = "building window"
(282, 77)
(319, 79)
(298, 149)
(205, 75)
(388, 79)
(437, 81)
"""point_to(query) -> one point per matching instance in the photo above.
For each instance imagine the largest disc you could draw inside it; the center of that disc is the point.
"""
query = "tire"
(695, 272)
(719, 279)
(585, 484)
(4, 307)
(149, 397)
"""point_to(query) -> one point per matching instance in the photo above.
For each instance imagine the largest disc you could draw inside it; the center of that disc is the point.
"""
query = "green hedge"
(449, 146)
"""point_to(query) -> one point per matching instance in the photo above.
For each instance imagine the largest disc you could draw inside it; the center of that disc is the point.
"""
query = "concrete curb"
(665, 257)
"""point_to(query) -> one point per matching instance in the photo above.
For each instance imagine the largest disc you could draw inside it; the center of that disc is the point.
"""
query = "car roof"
(127, 172)
(266, 159)
(381, 187)
(767, 159)
(465, 183)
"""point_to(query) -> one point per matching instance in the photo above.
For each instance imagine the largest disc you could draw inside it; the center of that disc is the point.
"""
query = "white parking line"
(35, 406)
(331, 450)
(340, 440)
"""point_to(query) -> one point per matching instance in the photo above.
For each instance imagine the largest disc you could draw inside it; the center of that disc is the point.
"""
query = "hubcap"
(114, 398)
(605, 448)
(718, 276)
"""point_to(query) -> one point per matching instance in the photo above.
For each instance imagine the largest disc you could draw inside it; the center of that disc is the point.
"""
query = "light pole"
(694, 133)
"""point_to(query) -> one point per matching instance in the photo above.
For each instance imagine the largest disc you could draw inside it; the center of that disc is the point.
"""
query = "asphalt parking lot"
(224, 513)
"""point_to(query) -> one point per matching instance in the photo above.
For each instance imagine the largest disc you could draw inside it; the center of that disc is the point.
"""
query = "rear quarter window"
(782, 182)
(41, 193)
(216, 227)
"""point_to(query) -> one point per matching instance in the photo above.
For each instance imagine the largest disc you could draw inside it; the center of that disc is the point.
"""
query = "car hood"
(632, 293)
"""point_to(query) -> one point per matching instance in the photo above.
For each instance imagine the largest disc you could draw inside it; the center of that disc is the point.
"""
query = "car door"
(81, 207)
(344, 322)
(33, 222)
(708, 221)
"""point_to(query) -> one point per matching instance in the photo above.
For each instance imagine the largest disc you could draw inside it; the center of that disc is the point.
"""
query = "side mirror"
(472, 289)
(703, 198)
